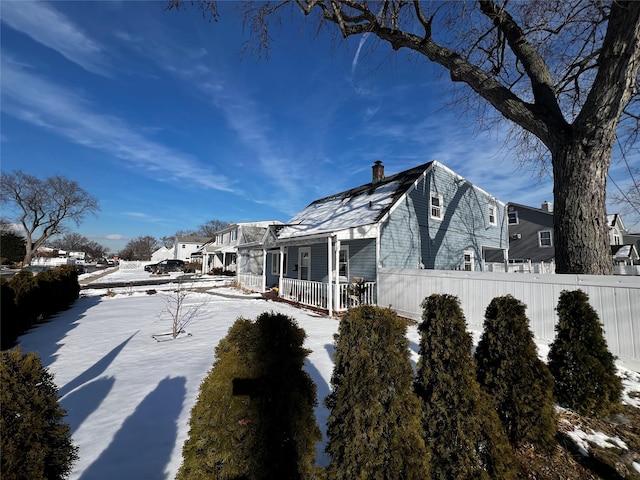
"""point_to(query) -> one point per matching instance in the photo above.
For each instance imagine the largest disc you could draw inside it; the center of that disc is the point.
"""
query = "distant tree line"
(141, 248)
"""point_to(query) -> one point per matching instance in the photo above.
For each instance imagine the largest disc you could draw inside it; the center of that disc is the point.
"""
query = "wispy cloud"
(115, 236)
(245, 117)
(47, 105)
(47, 26)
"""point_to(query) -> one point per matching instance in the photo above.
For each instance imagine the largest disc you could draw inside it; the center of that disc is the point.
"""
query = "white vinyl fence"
(615, 298)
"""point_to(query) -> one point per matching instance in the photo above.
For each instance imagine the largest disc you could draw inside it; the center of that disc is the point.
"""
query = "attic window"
(492, 215)
(436, 206)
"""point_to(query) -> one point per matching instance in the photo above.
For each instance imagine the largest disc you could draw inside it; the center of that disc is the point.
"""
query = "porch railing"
(312, 294)
(352, 296)
(315, 294)
(250, 281)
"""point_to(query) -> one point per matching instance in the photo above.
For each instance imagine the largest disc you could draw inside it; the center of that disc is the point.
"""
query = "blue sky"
(160, 117)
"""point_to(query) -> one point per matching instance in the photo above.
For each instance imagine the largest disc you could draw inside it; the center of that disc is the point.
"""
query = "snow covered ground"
(129, 397)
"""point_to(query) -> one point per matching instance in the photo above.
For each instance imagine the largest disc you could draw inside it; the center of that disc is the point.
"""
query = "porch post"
(281, 268)
(337, 269)
(330, 268)
(264, 270)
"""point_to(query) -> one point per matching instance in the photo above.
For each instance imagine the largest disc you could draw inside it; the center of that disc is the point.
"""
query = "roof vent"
(378, 171)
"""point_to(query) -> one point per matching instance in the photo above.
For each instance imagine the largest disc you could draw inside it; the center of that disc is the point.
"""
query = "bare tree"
(168, 242)
(562, 72)
(80, 243)
(43, 206)
(176, 307)
(210, 228)
(139, 248)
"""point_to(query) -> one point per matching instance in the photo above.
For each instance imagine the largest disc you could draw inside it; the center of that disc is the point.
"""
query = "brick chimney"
(378, 172)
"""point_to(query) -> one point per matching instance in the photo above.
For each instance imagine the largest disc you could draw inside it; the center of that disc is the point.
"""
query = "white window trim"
(344, 248)
(540, 232)
(517, 222)
(493, 212)
(301, 250)
(440, 207)
(275, 263)
(471, 261)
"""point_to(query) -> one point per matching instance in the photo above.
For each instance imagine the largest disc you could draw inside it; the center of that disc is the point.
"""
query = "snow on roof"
(357, 207)
(623, 251)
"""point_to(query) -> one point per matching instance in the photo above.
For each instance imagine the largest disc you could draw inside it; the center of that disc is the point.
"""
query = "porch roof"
(360, 206)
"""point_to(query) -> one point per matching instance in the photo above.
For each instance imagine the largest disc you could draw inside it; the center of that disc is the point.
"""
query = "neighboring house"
(163, 253)
(616, 229)
(531, 236)
(624, 255)
(425, 217)
(632, 239)
(221, 251)
(184, 246)
(530, 233)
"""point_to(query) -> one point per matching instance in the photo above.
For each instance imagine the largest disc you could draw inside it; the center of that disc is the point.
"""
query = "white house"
(184, 246)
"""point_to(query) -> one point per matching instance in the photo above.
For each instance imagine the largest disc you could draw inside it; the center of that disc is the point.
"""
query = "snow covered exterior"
(425, 217)
(163, 253)
(235, 244)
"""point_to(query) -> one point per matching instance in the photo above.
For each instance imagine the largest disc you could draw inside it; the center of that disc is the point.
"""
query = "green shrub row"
(459, 416)
(28, 299)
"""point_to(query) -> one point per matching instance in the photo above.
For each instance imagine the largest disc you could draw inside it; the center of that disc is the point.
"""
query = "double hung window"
(436, 206)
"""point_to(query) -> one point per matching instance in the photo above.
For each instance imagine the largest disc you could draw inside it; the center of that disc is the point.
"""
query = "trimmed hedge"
(580, 361)
(254, 414)
(511, 371)
(462, 428)
(374, 427)
(28, 299)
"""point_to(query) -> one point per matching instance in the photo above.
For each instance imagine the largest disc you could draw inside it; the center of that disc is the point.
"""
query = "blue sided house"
(327, 256)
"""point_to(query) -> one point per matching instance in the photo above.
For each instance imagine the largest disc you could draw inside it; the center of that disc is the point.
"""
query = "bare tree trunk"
(581, 234)
(28, 252)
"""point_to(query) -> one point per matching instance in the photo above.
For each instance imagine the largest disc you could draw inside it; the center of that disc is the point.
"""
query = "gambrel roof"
(360, 206)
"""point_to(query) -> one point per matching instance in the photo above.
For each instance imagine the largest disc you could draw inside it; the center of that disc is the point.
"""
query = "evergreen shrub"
(461, 426)
(26, 295)
(584, 369)
(374, 427)
(35, 443)
(254, 414)
(511, 371)
(9, 324)
(34, 297)
(58, 288)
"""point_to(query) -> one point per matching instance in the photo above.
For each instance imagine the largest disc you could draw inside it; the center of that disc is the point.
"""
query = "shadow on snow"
(142, 447)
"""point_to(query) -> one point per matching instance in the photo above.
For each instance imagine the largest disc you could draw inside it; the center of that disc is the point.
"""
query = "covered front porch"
(320, 295)
(321, 272)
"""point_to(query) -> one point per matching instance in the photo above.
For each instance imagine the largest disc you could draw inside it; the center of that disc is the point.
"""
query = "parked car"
(166, 266)
(102, 263)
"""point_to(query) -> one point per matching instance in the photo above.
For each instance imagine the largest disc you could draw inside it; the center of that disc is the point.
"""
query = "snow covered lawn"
(128, 396)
